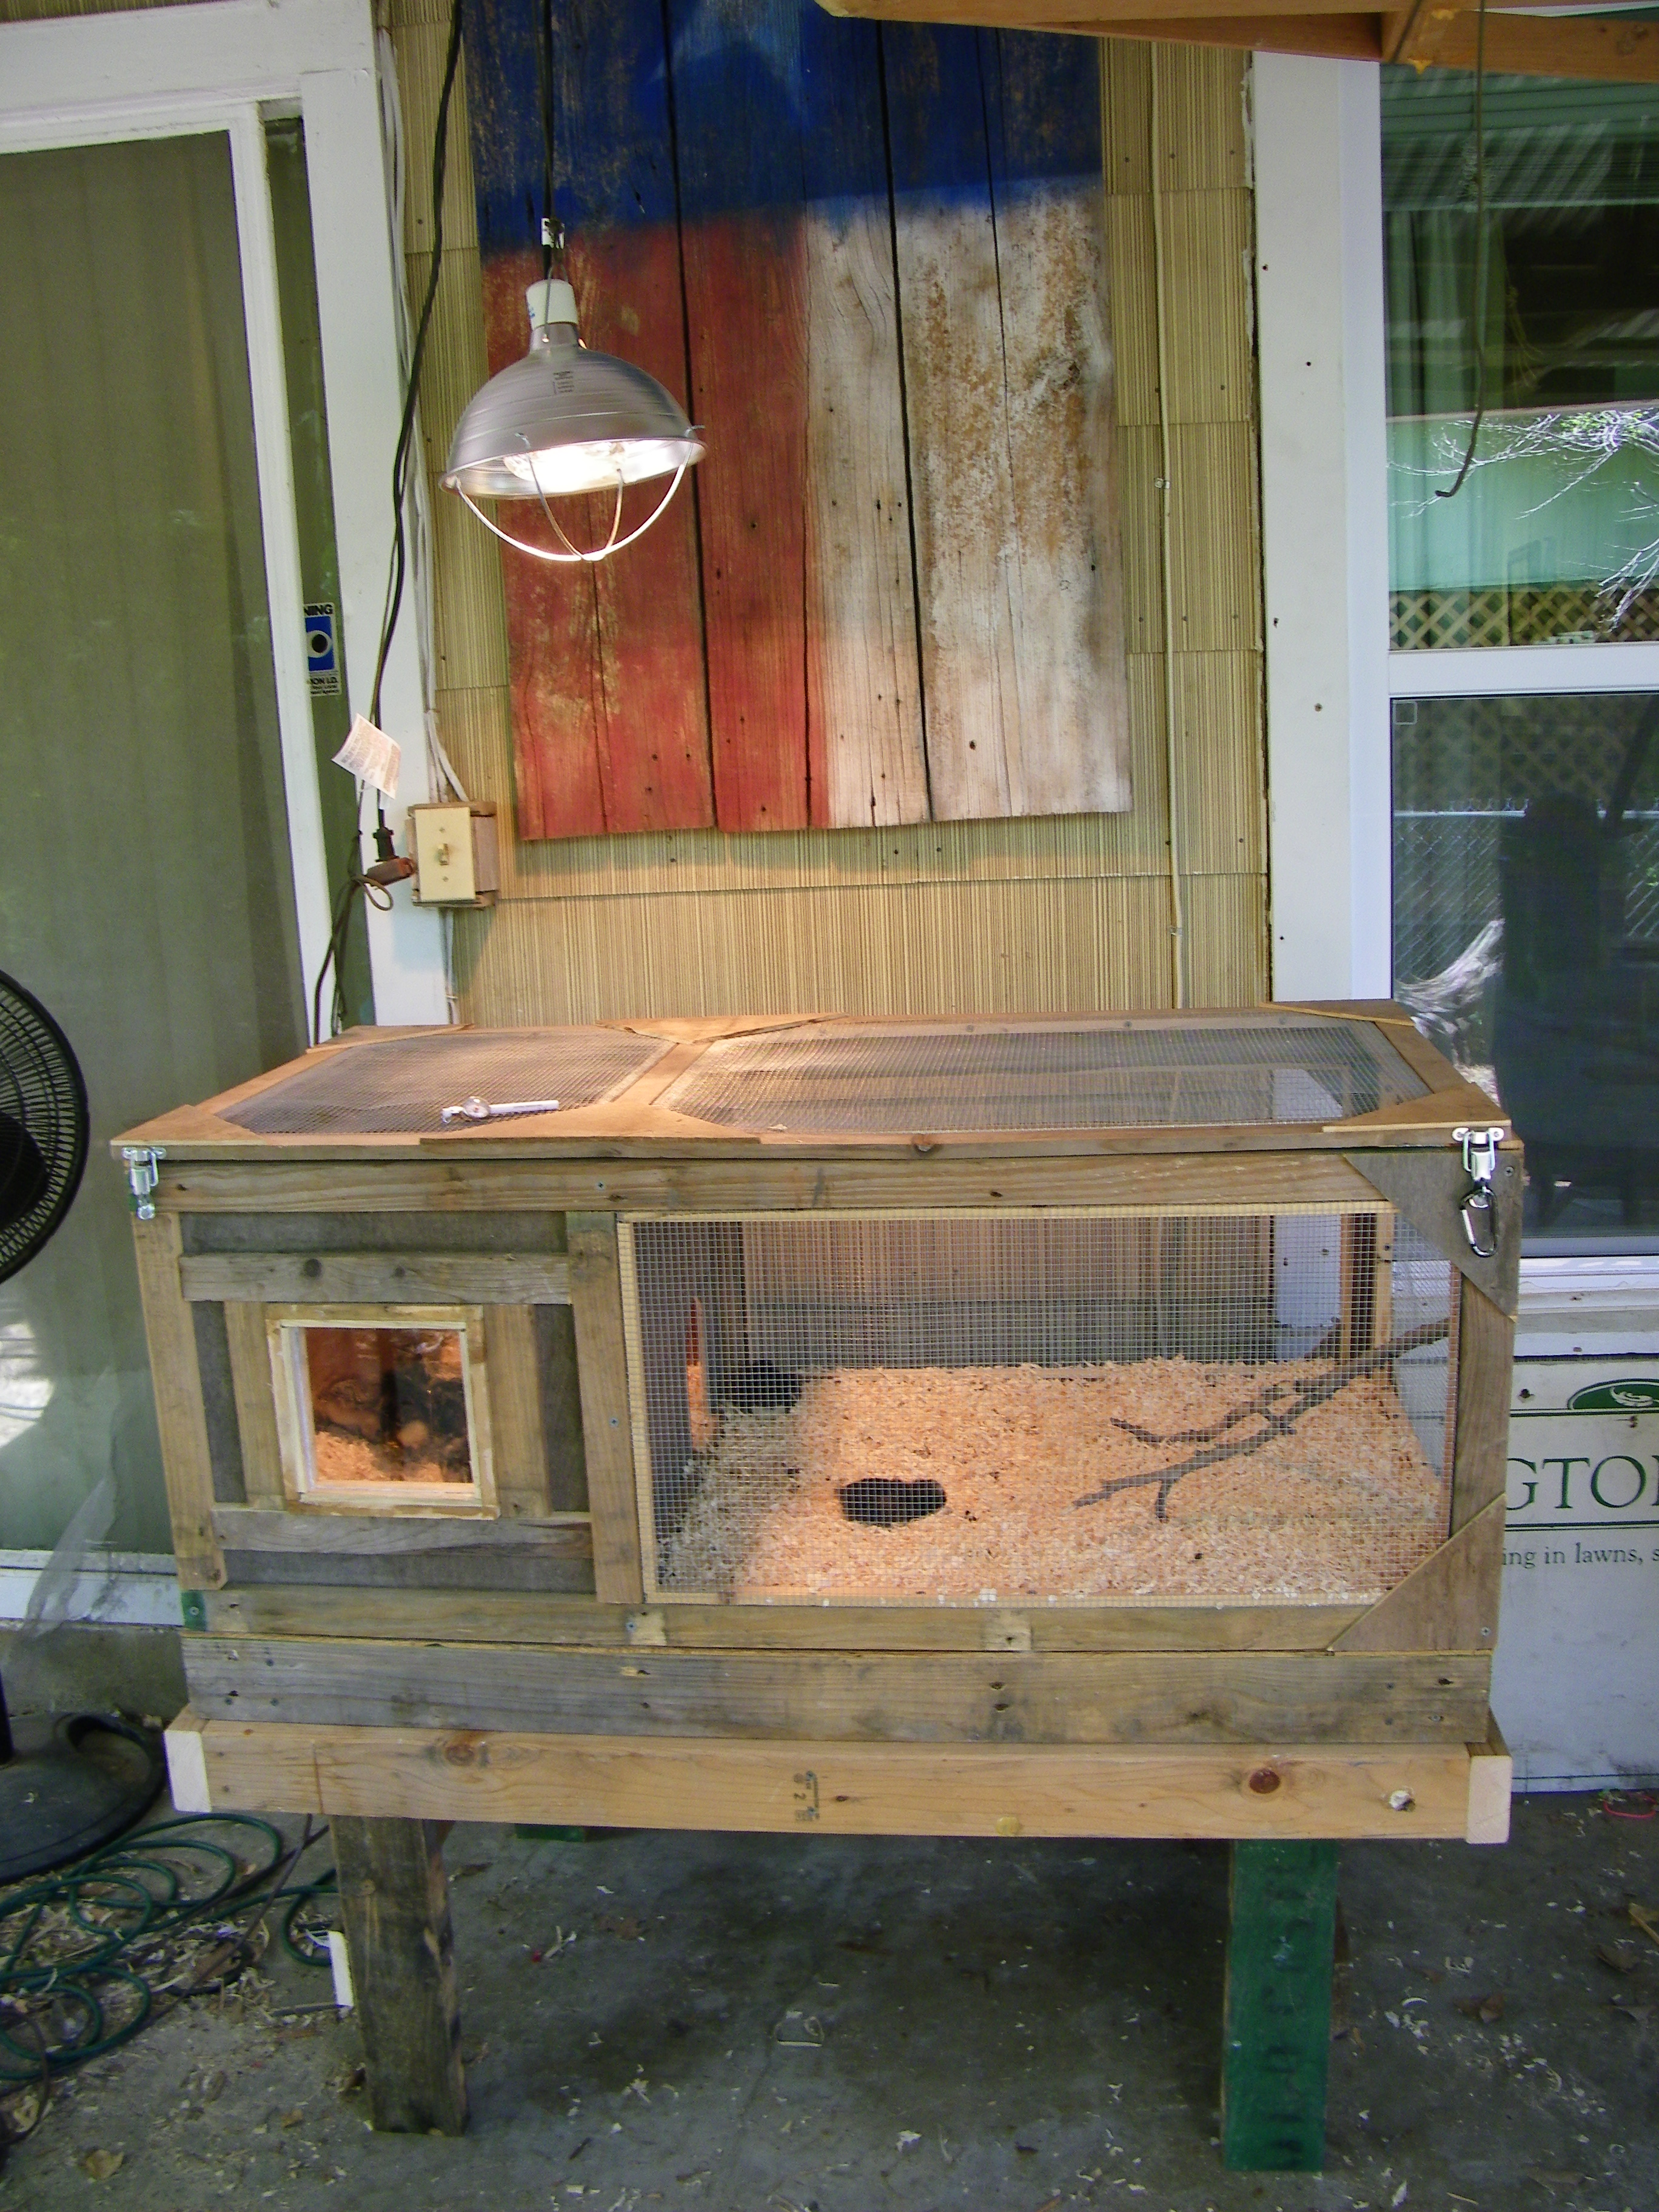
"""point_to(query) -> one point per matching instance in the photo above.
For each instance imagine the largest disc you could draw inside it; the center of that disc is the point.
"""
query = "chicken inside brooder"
(388, 1406)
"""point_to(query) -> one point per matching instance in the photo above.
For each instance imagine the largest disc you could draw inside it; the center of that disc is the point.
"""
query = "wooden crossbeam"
(1429, 34)
(1347, 37)
(1612, 49)
(763, 1786)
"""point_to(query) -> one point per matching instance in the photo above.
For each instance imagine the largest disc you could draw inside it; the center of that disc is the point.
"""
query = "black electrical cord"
(552, 239)
(1481, 255)
(394, 589)
(388, 868)
(369, 884)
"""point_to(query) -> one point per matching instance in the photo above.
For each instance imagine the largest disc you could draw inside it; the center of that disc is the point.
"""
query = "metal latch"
(480, 1109)
(143, 1175)
(1479, 1208)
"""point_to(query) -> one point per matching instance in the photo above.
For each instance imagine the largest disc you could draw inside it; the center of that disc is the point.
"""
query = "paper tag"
(371, 755)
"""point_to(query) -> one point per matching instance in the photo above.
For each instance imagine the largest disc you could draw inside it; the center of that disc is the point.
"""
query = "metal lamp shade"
(566, 420)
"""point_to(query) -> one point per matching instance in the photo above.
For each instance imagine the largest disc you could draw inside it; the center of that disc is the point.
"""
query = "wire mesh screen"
(401, 1086)
(1129, 1074)
(959, 1409)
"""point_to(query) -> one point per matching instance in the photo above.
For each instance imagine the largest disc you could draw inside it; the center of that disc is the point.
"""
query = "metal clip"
(479, 1109)
(143, 1175)
(1479, 1208)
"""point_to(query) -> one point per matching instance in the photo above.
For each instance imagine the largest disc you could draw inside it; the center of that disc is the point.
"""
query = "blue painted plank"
(968, 107)
(778, 105)
(613, 149)
(1044, 105)
(936, 96)
(775, 104)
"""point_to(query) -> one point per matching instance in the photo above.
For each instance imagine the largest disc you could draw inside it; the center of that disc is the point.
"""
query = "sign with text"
(1581, 1572)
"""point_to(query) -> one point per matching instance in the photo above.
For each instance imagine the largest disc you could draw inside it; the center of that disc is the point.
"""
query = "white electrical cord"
(1178, 912)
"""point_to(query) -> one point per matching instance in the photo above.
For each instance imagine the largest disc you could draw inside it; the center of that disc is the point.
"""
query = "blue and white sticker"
(322, 654)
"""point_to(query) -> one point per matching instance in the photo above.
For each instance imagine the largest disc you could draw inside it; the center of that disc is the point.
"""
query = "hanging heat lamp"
(567, 420)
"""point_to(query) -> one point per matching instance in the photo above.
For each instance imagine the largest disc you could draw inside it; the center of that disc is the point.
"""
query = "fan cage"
(1089, 1406)
(44, 1126)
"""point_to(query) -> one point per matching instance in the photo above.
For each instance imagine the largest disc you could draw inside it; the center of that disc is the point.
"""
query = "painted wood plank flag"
(870, 262)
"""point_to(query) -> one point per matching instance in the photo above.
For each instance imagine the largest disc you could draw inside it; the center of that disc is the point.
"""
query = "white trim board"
(1495, 671)
(228, 50)
(1319, 288)
(224, 65)
(127, 1589)
(1601, 1306)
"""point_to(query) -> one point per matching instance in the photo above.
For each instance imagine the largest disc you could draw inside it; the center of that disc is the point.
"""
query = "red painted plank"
(551, 626)
(653, 730)
(745, 295)
(610, 721)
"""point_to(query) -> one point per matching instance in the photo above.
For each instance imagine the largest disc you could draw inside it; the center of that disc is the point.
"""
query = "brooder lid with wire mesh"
(1263, 1078)
(968, 1077)
(400, 1085)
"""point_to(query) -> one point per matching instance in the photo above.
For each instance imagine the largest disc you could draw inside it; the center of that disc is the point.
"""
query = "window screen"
(1526, 932)
(1550, 312)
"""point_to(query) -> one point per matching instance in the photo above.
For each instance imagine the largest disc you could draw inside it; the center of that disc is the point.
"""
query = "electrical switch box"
(457, 860)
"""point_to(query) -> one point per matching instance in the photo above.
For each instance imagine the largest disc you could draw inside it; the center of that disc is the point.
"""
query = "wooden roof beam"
(1613, 49)
(1429, 34)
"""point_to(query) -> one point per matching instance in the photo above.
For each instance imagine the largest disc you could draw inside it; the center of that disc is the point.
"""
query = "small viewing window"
(384, 1410)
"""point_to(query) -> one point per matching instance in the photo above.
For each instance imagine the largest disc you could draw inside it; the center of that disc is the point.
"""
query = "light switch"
(455, 862)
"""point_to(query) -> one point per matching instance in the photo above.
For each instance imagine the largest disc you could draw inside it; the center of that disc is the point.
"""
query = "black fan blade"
(25, 1174)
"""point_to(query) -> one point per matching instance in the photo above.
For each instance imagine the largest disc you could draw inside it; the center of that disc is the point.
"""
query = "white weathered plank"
(1008, 378)
(1074, 689)
(864, 697)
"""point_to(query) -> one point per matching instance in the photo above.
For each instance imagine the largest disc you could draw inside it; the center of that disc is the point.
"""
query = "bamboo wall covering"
(1059, 912)
(872, 263)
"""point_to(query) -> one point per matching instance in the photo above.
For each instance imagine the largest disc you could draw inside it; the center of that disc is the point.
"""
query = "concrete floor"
(748, 2024)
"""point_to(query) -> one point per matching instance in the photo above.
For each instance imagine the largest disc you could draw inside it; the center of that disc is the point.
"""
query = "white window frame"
(229, 65)
(1331, 677)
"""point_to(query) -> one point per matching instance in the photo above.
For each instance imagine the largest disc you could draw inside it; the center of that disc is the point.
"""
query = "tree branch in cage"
(1279, 1407)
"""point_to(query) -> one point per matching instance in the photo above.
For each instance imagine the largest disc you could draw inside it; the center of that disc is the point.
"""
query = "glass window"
(146, 891)
(378, 1412)
(1526, 934)
(1554, 535)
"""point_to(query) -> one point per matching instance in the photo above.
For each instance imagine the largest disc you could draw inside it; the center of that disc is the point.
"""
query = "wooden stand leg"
(1277, 2033)
(395, 1902)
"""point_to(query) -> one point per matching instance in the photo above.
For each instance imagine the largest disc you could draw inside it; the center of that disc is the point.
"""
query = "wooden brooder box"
(1076, 1424)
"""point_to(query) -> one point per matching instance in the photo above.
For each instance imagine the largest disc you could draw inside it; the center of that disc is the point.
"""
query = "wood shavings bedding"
(1339, 1511)
(355, 1459)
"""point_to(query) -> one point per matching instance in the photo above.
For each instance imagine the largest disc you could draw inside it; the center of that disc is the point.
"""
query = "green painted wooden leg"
(1276, 2011)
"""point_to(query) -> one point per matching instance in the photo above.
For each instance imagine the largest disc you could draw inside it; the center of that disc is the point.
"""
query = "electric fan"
(68, 1785)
